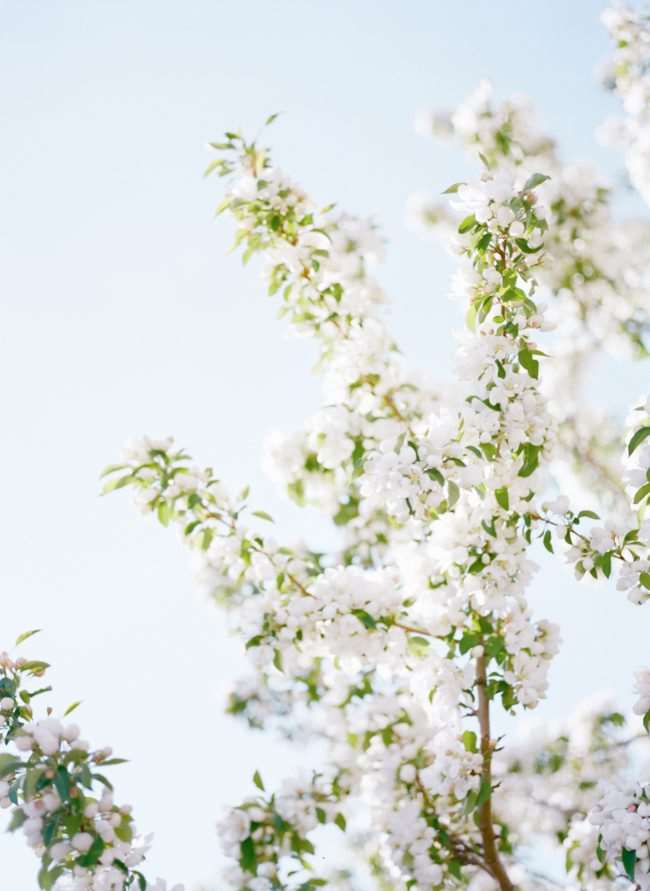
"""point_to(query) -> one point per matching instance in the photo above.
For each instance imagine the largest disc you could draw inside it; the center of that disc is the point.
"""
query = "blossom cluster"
(622, 818)
(595, 271)
(53, 784)
(267, 838)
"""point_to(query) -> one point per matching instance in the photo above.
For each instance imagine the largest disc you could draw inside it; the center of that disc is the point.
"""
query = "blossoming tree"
(395, 650)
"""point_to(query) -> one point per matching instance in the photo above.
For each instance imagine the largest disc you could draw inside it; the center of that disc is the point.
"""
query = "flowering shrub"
(394, 651)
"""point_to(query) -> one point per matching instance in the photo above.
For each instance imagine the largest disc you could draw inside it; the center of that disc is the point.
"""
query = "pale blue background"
(121, 314)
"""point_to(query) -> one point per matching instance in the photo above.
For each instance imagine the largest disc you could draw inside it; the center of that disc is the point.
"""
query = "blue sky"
(123, 314)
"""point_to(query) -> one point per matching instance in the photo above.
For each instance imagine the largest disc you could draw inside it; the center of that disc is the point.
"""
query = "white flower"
(82, 841)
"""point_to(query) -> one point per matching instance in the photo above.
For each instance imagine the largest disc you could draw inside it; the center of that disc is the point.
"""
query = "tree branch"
(490, 853)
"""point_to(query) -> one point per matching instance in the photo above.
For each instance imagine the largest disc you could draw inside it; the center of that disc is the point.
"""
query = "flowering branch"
(54, 784)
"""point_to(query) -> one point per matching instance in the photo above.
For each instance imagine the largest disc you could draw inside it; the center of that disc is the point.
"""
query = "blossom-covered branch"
(55, 787)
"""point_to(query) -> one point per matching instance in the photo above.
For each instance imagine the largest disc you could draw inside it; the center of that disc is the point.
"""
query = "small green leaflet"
(365, 618)
(629, 862)
(531, 458)
(535, 180)
(257, 779)
(8, 764)
(529, 362)
(248, 857)
(641, 494)
(467, 224)
(262, 514)
(469, 741)
(484, 793)
(637, 439)
(26, 635)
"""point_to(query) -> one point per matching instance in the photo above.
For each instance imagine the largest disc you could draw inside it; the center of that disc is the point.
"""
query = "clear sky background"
(121, 314)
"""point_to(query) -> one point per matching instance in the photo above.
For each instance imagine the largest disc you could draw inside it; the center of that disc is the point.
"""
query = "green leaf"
(26, 635)
(92, 855)
(71, 708)
(212, 166)
(637, 439)
(112, 468)
(629, 862)
(434, 474)
(489, 528)
(494, 647)
(47, 877)
(32, 776)
(470, 802)
(641, 494)
(340, 821)
(418, 646)
(589, 514)
(644, 578)
(469, 741)
(468, 641)
(35, 667)
(62, 782)
(548, 541)
(347, 512)
(103, 780)
(365, 618)
(455, 869)
(477, 566)
(535, 180)
(467, 224)
(489, 450)
(453, 188)
(124, 831)
(257, 779)
(9, 764)
(119, 483)
(529, 362)
(523, 245)
(262, 514)
(604, 562)
(271, 118)
(531, 458)
(247, 856)
(502, 497)
(484, 793)
(165, 512)
(18, 817)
